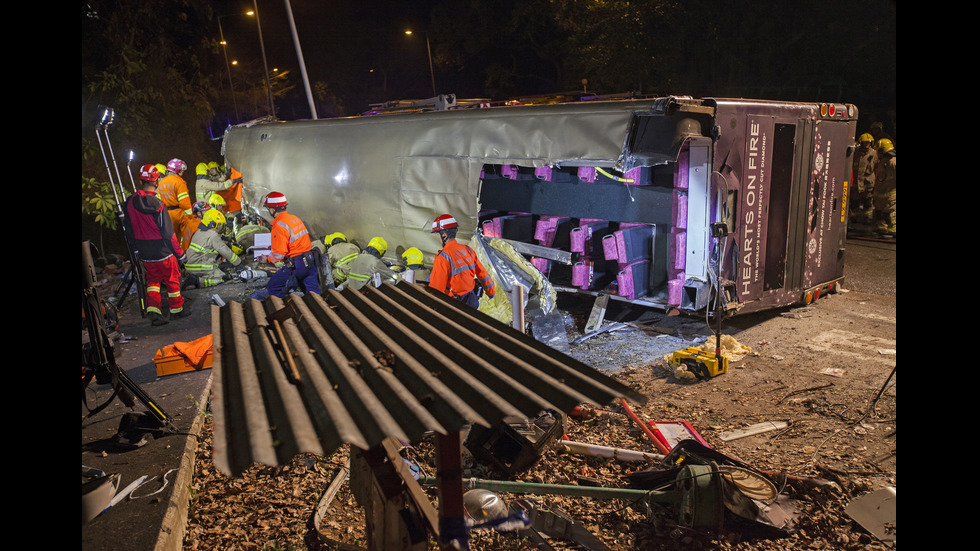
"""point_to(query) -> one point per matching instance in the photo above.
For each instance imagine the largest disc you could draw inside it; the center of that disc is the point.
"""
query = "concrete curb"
(174, 526)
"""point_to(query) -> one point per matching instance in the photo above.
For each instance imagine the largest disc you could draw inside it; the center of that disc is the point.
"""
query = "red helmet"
(444, 222)
(275, 200)
(149, 173)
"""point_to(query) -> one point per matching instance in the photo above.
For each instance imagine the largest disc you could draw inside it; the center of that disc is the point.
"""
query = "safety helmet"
(149, 173)
(198, 208)
(213, 165)
(877, 125)
(161, 168)
(332, 239)
(213, 218)
(217, 201)
(412, 257)
(866, 138)
(379, 244)
(201, 169)
(885, 145)
(444, 222)
(176, 165)
(275, 200)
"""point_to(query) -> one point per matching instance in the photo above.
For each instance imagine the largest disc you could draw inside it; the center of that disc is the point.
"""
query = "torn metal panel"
(311, 373)
(426, 164)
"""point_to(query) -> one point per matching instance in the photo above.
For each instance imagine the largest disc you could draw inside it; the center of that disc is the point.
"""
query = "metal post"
(432, 73)
(302, 64)
(265, 65)
(231, 83)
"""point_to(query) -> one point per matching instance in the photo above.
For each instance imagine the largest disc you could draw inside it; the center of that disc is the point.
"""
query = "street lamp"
(224, 46)
(429, 50)
(265, 65)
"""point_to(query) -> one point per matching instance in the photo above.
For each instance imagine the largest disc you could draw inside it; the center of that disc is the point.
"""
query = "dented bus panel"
(614, 197)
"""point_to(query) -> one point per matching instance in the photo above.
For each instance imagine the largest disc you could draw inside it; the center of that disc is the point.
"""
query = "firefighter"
(341, 253)
(206, 251)
(209, 181)
(865, 163)
(368, 264)
(233, 193)
(413, 260)
(456, 270)
(885, 197)
(173, 191)
(151, 230)
(291, 249)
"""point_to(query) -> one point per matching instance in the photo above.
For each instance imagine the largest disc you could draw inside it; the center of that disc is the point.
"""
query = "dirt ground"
(826, 371)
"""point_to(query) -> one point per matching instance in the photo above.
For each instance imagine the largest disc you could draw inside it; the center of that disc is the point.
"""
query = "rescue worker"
(173, 190)
(456, 270)
(366, 265)
(209, 181)
(150, 229)
(185, 227)
(341, 253)
(885, 197)
(291, 248)
(206, 251)
(865, 163)
(413, 260)
(232, 194)
(201, 174)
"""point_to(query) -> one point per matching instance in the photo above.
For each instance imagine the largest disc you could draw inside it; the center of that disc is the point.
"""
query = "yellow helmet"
(201, 169)
(161, 168)
(217, 202)
(379, 245)
(213, 168)
(212, 218)
(412, 257)
(866, 138)
(885, 145)
(332, 239)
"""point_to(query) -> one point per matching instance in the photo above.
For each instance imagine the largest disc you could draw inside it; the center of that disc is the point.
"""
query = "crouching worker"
(456, 270)
(341, 253)
(368, 264)
(206, 251)
(291, 249)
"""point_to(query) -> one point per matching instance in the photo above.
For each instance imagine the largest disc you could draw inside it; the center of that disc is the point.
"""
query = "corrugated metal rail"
(310, 373)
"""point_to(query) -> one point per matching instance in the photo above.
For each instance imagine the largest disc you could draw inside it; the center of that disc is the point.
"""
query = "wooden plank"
(757, 428)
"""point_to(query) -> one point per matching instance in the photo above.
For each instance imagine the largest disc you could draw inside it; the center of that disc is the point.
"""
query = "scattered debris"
(876, 512)
(752, 430)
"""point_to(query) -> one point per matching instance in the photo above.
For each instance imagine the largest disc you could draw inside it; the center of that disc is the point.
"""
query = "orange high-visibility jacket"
(172, 190)
(456, 269)
(289, 237)
(233, 195)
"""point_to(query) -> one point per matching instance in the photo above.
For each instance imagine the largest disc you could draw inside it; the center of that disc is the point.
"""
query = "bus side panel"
(753, 215)
(827, 179)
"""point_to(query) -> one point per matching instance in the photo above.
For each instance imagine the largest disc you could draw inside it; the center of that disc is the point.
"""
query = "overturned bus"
(661, 202)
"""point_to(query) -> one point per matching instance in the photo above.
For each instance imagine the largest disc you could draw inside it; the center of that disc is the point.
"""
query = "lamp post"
(302, 64)
(432, 74)
(265, 65)
(224, 46)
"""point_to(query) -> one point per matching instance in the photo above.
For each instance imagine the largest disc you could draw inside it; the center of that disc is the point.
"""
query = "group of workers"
(874, 202)
(456, 270)
(176, 237)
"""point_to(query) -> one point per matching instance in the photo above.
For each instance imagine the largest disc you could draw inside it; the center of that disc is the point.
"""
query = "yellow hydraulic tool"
(705, 365)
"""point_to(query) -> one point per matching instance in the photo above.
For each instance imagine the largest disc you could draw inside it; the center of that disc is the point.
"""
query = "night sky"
(342, 41)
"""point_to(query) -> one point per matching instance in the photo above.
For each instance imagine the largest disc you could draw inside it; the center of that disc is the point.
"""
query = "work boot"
(156, 319)
(184, 311)
(191, 280)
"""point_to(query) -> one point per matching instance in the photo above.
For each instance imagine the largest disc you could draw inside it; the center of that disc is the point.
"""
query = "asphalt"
(155, 515)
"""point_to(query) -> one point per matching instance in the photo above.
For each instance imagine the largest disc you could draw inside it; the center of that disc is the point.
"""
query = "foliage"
(99, 201)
